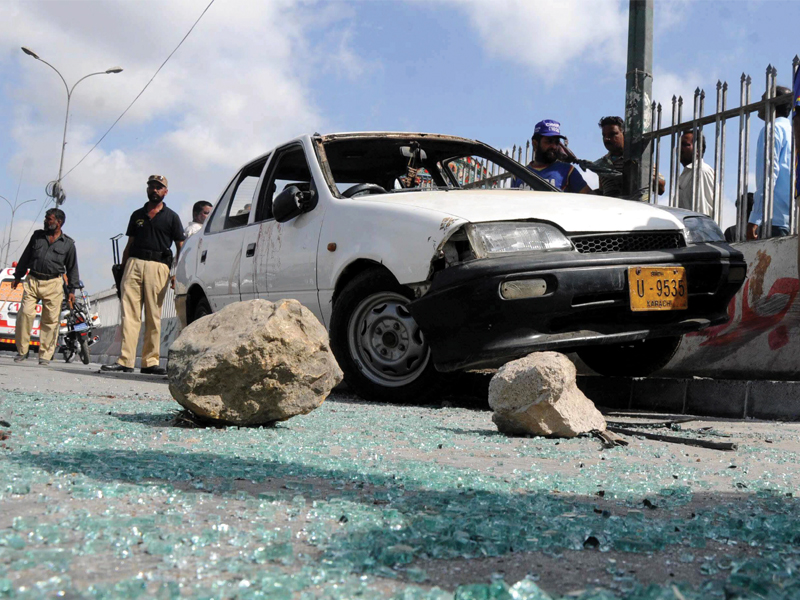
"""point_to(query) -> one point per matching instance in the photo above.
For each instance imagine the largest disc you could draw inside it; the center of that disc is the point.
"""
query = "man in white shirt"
(200, 212)
(705, 186)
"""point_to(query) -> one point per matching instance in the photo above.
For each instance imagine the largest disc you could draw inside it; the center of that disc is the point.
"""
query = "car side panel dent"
(403, 239)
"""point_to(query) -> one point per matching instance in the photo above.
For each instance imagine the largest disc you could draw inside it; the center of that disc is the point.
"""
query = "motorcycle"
(76, 327)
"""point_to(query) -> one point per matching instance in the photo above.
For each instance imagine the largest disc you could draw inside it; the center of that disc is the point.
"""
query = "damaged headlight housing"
(490, 240)
(702, 229)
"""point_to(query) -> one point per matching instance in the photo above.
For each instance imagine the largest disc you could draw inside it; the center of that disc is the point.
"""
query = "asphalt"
(108, 491)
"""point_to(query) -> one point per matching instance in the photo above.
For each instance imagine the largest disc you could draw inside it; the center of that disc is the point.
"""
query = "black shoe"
(21, 357)
(156, 370)
(116, 368)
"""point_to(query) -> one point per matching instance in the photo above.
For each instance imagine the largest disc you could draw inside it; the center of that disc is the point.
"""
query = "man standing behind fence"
(613, 129)
(546, 152)
(147, 259)
(781, 172)
(796, 125)
(705, 184)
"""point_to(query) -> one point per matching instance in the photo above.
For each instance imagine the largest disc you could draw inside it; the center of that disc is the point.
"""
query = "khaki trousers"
(51, 293)
(144, 283)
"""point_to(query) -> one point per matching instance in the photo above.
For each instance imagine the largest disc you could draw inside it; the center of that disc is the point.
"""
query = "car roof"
(362, 134)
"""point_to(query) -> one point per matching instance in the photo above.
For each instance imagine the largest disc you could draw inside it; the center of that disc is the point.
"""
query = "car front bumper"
(468, 324)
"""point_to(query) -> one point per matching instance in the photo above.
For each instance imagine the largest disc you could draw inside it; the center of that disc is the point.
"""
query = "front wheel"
(202, 309)
(84, 351)
(378, 344)
(633, 359)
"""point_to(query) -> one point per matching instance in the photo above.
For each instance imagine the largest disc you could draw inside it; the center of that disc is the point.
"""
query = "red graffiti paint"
(752, 323)
(778, 337)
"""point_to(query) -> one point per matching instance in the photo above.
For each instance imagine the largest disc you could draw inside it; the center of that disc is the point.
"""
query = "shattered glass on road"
(104, 497)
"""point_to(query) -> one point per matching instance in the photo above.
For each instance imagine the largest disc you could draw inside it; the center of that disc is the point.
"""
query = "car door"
(222, 254)
(290, 256)
(251, 236)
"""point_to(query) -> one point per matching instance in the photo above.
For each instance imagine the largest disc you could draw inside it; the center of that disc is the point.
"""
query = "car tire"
(634, 359)
(203, 309)
(377, 343)
(84, 352)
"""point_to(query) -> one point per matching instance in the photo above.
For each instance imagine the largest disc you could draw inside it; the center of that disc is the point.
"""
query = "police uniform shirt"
(156, 234)
(46, 260)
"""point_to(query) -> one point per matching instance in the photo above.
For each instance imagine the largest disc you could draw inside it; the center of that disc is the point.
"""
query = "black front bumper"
(469, 325)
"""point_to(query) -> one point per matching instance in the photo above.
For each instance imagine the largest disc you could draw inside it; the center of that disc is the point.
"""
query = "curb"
(726, 398)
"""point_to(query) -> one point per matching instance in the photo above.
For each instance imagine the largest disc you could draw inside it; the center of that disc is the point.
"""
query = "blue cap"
(548, 128)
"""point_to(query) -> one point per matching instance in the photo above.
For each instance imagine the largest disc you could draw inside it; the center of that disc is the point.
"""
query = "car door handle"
(203, 256)
(251, 249)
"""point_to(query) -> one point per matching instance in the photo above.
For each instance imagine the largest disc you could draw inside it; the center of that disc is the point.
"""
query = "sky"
(256, 73)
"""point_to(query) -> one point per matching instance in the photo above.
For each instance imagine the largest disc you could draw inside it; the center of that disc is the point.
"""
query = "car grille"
(628, 242)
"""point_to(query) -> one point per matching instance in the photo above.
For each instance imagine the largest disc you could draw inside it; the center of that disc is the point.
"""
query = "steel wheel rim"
(385, 341)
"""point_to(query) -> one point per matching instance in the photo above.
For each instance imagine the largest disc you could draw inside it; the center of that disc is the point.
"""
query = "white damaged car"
(410, 252)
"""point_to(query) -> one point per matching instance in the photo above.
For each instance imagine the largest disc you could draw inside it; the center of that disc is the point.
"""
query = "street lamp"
(13, 208)
(57, 191)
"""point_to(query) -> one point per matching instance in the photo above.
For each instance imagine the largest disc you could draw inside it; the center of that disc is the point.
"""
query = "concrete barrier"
(761, 340)
(107, 348)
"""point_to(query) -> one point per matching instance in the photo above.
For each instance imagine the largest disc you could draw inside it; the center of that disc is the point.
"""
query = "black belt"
(153, 255)
(44, 277)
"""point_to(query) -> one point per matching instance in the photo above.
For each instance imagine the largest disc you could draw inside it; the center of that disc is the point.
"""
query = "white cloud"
(549, 36)
(237, 86)
(666, 84)
(670, 14)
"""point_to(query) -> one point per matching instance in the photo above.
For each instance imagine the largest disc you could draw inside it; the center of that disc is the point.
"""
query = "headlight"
(702, 229)
(500, 239)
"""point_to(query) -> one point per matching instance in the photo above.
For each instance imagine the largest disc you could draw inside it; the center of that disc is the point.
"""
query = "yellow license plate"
(658, 288)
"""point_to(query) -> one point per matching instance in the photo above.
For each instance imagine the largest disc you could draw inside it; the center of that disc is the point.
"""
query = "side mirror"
(290, 203)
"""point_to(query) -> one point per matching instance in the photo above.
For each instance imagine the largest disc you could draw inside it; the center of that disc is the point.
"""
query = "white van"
(10, 303)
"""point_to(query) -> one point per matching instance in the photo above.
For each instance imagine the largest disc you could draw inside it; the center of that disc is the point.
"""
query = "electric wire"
(142, 92)
(49, 200)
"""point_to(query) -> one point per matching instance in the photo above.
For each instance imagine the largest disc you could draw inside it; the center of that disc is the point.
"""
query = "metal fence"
(719, 119)
(480, 174)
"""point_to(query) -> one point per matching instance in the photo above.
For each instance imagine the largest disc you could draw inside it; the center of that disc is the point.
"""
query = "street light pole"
(13, 208)
(57, 191)
(638, 94)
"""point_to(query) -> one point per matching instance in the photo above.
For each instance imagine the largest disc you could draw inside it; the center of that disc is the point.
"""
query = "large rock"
(253, 362)
(538, 395)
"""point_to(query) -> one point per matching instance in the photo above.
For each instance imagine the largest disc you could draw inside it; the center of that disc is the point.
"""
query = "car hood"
(574, 213)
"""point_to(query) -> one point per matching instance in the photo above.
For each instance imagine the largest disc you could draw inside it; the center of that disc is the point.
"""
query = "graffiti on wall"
(774, 313)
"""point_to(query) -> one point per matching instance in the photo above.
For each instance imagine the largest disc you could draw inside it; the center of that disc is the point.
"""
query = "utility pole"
(638, 95)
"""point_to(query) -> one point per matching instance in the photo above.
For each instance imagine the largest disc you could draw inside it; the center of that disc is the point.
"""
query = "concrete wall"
(762, 338)
(106, 350)
(760, 341)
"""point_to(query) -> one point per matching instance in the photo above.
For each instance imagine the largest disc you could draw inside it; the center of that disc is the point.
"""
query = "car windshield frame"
(338, 154)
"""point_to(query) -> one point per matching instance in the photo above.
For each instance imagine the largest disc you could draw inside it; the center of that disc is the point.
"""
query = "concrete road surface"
(107, 491)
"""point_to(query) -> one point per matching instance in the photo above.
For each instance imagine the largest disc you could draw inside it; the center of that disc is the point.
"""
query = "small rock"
(252, 363)
(538, 395)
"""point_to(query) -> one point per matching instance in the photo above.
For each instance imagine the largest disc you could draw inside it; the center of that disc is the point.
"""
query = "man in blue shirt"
(796, 123)
(546, 152)
(781, 173)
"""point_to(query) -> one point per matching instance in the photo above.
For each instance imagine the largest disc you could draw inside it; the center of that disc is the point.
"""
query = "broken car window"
(377, 164)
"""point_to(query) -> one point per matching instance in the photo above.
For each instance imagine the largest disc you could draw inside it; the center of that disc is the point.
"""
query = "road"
(107, 491)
